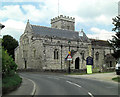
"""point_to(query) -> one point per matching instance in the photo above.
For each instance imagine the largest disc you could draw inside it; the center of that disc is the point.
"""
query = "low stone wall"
(64, 70)
(53, 70)
(109, 70)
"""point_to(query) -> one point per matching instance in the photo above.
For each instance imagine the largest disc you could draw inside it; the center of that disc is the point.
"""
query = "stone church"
(47, 47)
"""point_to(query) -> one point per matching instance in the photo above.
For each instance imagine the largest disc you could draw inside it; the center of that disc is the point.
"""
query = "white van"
(117, 68)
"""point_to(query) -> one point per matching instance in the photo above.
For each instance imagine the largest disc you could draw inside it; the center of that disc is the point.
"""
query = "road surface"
(58, 84)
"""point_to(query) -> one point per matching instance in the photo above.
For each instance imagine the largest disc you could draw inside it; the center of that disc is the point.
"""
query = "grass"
(117, 79)
(10, 83)
(75, 73)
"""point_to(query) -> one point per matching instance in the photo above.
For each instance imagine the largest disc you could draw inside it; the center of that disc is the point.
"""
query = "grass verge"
(117, 79)
(10, 83)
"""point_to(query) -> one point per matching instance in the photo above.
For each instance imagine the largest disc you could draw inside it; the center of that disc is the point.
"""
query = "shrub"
(10, 83)
(8, 65)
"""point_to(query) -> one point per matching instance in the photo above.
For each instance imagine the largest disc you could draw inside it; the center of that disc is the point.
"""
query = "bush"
(8, 65)
(10, 80)
(10, 83)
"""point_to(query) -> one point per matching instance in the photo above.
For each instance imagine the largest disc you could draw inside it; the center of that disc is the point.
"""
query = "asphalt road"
(58, 84)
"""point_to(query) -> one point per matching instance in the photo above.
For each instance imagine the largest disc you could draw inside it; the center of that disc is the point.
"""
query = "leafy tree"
(9, 44)
(115, 42)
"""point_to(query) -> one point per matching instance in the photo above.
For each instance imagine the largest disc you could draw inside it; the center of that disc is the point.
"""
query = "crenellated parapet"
(61, 17)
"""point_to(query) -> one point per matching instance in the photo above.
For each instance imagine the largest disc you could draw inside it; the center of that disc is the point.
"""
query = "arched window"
(83, 55)
(104, 54)
(97, 56)
(55, 54)
(34, 53)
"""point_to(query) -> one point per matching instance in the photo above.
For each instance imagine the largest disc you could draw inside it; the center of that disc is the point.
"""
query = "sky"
(93, 16)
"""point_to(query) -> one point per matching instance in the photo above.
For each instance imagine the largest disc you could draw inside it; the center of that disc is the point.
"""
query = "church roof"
(53, 32)
(99, 42)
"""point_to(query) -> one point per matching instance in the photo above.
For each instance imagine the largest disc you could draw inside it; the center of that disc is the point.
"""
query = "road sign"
(69, 57)
(89, 69)
(69, 52)
(89, 61)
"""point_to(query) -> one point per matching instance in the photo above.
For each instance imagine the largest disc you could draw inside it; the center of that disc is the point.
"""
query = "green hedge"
(10, 79)
(10, 83)
(8, 65)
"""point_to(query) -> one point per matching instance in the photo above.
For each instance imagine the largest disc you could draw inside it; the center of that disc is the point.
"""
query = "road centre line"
(90, 94)
(73, 84)
(53, 78)
(79, 87)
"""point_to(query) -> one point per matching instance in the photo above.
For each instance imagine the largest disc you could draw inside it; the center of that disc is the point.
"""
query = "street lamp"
(1, 26)
(61, 56)
(69, 60)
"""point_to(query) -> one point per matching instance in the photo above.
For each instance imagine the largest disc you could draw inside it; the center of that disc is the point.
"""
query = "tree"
(115, 42)
(9, 44)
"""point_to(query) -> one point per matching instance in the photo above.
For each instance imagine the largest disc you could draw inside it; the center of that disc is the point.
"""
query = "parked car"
(117, 68)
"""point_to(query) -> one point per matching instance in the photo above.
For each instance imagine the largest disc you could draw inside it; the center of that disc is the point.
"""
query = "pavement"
(98, 76)
(27, 87)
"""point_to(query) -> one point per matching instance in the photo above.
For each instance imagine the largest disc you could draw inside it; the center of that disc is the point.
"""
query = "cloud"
(100, 34)
(14, 24)
(87, 13)
(14, 28)
(102, 19)
(12, 12)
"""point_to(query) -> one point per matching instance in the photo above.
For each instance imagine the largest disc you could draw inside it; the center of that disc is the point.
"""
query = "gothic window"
(45, 40)
(55, 54)
(51, 39)
(68, 27)
(97, 56)
(110, 63)
(33, 53)
(110, 51)
(24, 53)
(58, 41)
(83, 55)
(93, 52)
(25, 40)
(104, 53)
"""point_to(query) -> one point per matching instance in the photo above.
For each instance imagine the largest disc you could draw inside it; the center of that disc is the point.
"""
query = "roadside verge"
(28, 87)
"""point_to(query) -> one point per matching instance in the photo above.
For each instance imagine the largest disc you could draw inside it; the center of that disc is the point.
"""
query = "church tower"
(63, 22)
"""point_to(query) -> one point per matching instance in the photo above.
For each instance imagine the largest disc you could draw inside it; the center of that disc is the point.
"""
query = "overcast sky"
(93, 16)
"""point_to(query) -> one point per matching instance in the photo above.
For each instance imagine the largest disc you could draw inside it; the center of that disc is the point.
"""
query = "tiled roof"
(99, 42)
(53, 32)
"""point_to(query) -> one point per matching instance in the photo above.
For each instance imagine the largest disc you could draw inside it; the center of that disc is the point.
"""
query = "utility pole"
(58, 7)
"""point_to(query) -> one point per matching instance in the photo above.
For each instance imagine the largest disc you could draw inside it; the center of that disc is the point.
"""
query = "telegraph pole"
(58, 7)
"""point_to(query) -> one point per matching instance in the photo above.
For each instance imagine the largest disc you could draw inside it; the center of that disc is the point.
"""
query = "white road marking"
(73, 84)
(56, 78)
(34, 86)
(53, 78)
(49, 77)
(90, 94)
(79, 87)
